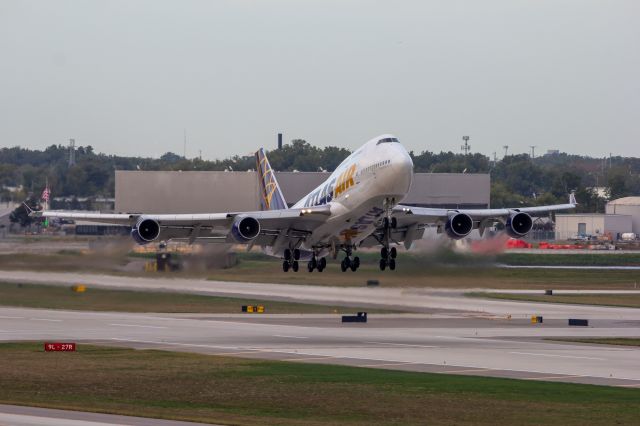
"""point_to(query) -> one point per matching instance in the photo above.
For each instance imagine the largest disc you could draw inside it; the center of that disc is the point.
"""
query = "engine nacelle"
(458, 226)
(145, 231)
(518, 224)
(245, 229)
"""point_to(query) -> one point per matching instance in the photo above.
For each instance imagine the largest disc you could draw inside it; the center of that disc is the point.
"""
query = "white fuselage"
(376, 176)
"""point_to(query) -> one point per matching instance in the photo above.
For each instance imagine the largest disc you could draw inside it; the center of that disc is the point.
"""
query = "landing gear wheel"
(385, 222)
(287, 254)
(285, 266)
(353, 267)
(393, 253)
(356, 261)
(347, 262)
(392, 264)
(295, 266)
(394, 222)
(320, 268)
(296, 254)
(383, 264)
(322, 263)
(310, 266)
(343, 266)
(384, 252)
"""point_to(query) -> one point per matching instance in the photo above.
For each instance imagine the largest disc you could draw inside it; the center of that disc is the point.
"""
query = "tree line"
(515, 180)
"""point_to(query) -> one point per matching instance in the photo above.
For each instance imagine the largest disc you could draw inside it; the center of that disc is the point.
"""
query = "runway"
(14, 415)
(426, 300)
(442, 342)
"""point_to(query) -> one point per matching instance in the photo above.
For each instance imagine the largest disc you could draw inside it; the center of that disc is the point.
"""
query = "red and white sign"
(59, 347)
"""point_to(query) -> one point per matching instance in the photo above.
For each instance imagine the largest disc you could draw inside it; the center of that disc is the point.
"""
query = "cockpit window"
(387, 140)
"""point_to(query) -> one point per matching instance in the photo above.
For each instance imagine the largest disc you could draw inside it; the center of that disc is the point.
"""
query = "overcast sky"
(128, 76)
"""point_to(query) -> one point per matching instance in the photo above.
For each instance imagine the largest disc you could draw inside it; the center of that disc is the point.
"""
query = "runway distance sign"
(59, 347)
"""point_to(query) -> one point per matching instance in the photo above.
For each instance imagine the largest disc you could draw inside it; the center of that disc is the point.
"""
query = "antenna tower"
(466, 147)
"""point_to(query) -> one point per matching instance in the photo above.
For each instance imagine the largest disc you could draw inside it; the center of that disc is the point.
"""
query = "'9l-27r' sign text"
(60, 347)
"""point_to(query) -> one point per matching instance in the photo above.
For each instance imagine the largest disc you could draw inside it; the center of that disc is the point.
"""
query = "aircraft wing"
(412, 221)
(215, 227)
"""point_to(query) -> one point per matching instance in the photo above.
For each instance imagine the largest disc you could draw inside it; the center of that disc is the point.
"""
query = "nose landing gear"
(388, 255)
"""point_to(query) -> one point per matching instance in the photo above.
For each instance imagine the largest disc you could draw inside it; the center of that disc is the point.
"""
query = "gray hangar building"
(216, 192)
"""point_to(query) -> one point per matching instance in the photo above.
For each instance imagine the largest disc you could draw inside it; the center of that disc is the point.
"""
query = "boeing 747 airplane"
(357, 206)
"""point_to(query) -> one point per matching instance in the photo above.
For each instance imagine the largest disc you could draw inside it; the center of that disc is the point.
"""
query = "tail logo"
(271, 195)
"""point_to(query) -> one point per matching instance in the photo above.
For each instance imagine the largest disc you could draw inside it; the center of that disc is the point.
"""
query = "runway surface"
(13, 415)
(411, 299)
(443, 343)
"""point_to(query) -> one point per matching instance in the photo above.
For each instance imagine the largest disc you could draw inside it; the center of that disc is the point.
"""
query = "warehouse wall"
(596, 224)
(193, 192)
(632, 210)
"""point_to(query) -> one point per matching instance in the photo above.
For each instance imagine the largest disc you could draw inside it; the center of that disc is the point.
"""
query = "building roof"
(626, 201)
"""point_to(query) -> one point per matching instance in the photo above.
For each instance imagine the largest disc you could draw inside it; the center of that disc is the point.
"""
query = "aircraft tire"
(392, 264)
(296, 254)
(285, 266)
(383, 264)
(287, 254)
(343, 266)
(295, 266)
(384, 253)
(393, 252)
(323, 263)
(356, 261)
(310, 266)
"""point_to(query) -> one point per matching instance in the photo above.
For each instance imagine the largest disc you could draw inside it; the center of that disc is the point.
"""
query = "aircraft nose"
(402, 166)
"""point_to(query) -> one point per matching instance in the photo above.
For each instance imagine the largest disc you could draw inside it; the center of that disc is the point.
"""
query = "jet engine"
(145, 231)
(458, 226)
(245, 228)
(518, 224)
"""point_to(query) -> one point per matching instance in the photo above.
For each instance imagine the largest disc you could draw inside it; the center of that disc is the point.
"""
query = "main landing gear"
(348, 262)
(388, 258)
(316, 263)
(291, 258)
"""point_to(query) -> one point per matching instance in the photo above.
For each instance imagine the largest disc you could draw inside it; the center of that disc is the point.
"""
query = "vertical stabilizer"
(271, 197)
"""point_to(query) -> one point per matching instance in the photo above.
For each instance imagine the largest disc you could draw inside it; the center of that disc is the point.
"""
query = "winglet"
(572, 198)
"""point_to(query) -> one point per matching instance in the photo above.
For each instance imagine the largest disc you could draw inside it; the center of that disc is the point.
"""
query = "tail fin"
(271, 197)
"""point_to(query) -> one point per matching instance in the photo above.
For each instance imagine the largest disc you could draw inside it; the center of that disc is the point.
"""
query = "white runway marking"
(566, 376)
(136, 325)
(558, 356)
(194, 345)
(401, 344)
(45, 319)
(290, 337)
(4, 317)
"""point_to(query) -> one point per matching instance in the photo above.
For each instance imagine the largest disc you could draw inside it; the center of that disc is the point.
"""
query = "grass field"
(55, 297)
(442, 269)
(624, 300)
(246, 392)
(558, 258)
(619, 341)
